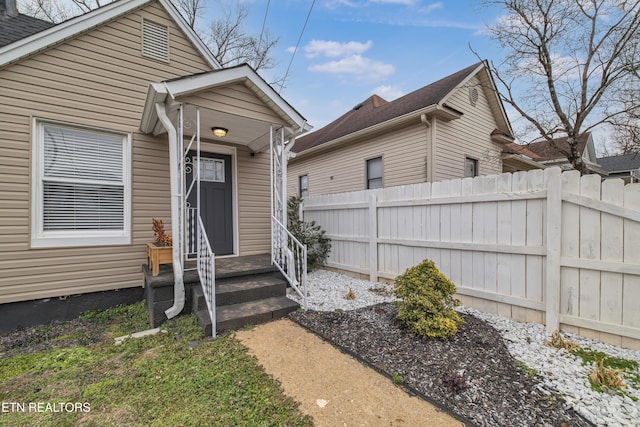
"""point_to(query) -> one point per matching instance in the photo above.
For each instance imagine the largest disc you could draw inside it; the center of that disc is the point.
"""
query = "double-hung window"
(470, 167)
(81, 186)
(304, 185)
(374, 173)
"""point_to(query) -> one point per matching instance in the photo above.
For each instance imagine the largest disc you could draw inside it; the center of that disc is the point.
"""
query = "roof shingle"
(546, 151)
(375, 110)
(625, 162)
(19, 27)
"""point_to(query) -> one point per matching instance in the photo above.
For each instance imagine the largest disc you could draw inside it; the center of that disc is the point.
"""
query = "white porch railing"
(191, 233)
(290, 256)
(207, 273)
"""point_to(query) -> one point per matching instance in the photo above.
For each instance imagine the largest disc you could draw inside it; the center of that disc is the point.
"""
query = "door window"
(212, 170)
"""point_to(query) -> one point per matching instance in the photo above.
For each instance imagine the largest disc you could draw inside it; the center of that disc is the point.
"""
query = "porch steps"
(246, 297)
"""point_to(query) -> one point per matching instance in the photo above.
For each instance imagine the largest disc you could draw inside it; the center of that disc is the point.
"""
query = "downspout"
(430, 123)
(178, 288)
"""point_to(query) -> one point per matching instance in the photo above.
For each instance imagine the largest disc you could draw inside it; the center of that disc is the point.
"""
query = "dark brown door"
(216, 199)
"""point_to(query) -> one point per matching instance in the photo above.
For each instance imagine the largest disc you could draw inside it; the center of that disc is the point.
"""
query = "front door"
(216, 199)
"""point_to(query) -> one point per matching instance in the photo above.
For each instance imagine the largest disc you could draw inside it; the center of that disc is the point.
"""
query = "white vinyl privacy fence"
(554, 248)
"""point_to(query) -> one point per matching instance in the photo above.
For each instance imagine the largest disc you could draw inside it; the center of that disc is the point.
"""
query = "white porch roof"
(245, 127)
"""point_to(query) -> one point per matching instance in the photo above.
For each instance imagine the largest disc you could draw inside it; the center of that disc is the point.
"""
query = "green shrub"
(426, 301)
(309, 234)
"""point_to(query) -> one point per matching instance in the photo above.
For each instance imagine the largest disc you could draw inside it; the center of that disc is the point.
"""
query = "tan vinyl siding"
(254, 202)
(403, 154)
(96, 79)
(237, 99)
(469, 136)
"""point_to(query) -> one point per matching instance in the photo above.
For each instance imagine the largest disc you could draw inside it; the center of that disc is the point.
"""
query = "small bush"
(350, 295)
(558, 342)
(603, 377)
(309, 234)
(426, 301)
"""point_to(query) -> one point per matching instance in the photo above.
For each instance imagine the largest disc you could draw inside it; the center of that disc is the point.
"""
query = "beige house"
(452, 128)
(106, 122)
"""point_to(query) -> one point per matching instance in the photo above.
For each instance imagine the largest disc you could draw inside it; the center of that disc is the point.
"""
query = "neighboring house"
(625, 166)
(452, 128)
(550, 153)
(516, 158)
(91, 118)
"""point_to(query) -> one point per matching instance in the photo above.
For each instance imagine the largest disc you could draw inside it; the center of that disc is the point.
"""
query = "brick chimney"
(8, 9)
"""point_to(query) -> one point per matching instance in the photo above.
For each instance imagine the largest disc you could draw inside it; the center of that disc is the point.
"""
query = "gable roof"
(55, 34)
(546, 151)
(622, 163)
(170, 90)
(14, 28)
(375, 111)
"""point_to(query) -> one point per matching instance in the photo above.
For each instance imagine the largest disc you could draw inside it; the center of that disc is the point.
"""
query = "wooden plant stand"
(157, 255)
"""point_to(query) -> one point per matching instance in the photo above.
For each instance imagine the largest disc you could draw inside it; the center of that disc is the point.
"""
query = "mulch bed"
(471, 375)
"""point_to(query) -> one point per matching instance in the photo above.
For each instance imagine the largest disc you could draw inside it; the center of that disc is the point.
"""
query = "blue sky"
(352, 49)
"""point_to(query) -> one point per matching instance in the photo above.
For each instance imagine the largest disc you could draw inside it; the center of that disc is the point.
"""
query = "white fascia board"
(200, 82)
(461, 84)
(191, 34)
(157, 93)
(39, 41)
(432, 109)
(79, 24)
(494, 92)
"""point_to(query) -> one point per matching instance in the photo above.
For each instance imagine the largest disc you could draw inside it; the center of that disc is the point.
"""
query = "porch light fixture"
(219, 132)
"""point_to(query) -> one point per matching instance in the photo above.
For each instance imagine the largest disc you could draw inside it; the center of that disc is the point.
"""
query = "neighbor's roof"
(523, 150)
(15, 28)
(46, 37)
(622, 163)
(546, 151)
(375, 110)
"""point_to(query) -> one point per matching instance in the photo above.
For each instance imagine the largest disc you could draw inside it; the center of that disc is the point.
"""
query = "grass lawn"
(177, 378)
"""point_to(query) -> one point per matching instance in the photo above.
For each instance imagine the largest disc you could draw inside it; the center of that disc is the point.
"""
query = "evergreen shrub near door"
(309, 234)
(426, 301)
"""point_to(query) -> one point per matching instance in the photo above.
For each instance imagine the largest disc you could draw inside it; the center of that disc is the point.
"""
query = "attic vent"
(155, 40)
(473, 96)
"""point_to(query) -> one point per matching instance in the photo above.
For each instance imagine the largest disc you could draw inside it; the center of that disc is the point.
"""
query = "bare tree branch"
(570, 66)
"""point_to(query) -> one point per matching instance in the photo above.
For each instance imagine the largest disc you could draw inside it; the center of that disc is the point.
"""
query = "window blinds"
(83, 186)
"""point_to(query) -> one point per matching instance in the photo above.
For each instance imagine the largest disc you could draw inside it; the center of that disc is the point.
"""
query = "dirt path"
(333, 388)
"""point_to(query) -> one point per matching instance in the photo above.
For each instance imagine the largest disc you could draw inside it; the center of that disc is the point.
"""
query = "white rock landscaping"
(558, 370)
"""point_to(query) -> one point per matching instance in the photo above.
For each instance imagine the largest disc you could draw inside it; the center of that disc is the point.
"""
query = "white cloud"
(431, 7)
(333, 49)
(388, 92)
(357, 65)
(404, 2)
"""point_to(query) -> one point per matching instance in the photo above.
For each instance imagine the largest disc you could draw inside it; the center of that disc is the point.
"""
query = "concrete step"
(242, 289)
(249, 288)
(197, 299)
(204, 320)
(236, 316)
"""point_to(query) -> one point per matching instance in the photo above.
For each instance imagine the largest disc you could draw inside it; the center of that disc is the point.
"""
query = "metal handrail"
(206, 272)
(290, 256)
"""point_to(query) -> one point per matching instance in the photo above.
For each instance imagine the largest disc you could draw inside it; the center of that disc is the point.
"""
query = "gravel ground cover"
(495, 371)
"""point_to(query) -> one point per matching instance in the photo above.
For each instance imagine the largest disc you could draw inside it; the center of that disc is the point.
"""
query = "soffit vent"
(155, 40)
(473, 96)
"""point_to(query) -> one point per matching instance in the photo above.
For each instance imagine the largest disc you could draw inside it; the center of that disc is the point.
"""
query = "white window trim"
(51, 239)
(366, 171)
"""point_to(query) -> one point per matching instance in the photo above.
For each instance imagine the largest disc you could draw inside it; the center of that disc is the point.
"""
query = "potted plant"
(161, 250)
